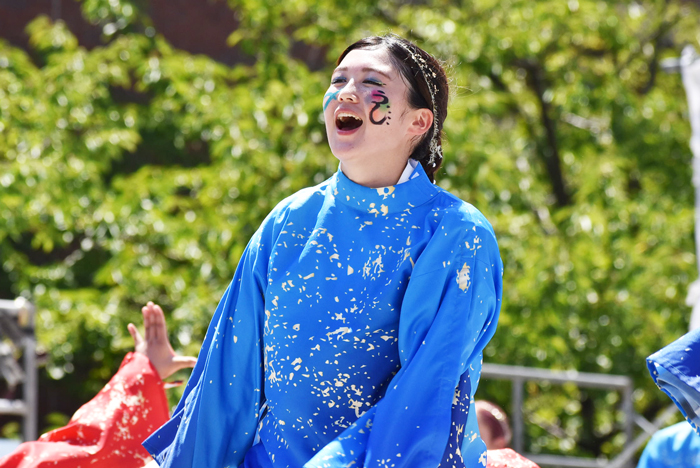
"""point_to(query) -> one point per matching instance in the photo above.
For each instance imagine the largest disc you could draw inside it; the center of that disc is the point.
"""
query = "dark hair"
(405, 56)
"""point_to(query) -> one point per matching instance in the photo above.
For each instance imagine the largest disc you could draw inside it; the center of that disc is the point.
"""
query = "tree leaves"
(135, 171)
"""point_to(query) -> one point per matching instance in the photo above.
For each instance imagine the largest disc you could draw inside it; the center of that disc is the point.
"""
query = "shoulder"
(306, 202)
(679, 430)
(303, 199)
(674, 438)
(674, 446)
(458, 220)
(450, 209)
(458, 234)
(299, 209)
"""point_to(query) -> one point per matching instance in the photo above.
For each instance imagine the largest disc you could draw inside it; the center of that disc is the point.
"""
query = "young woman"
(352, 332)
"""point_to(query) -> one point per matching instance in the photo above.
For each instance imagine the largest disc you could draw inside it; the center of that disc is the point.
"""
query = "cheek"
(380, 112)
(331, 95)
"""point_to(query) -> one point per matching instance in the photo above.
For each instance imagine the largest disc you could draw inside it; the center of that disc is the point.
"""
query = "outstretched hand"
(156, 345)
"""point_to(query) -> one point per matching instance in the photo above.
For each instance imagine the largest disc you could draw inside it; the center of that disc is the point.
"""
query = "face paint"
(381, 105)
(330, 95)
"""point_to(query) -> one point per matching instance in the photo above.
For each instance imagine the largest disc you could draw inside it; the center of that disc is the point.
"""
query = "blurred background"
(142, 142)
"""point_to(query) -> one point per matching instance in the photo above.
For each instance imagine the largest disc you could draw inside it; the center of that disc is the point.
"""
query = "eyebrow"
(365, 69)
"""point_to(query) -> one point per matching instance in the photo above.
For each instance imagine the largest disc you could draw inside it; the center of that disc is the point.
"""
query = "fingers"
(161, 333)
(147, 312)
(138, 340)
(184, 361)
(157, 345)
(134, 333)
(174, 364)
(154, 322)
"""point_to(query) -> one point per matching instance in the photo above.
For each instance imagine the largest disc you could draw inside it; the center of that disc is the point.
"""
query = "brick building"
(195, 26)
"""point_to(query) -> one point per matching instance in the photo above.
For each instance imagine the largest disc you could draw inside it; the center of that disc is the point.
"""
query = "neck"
(378, 175)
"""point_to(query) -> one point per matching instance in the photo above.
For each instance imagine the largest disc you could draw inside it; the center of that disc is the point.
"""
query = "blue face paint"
(331, 95)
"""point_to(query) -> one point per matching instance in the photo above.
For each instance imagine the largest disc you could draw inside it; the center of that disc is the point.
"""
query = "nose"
(348, 93)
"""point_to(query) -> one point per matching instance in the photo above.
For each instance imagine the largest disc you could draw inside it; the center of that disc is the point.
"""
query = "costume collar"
(408, 171)
(384, 200)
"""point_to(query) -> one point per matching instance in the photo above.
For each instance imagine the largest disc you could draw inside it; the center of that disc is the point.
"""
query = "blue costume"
(677, 446)
(676, 370)
(351, 335)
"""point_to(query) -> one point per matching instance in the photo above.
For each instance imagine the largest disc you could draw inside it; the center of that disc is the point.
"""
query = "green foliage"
(135, 172)
(11, 430)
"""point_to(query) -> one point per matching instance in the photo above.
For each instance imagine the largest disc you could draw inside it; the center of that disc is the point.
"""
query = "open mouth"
(345, 121)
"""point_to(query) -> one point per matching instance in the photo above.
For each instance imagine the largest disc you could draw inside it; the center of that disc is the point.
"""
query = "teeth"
(347, 121)
(345, 115)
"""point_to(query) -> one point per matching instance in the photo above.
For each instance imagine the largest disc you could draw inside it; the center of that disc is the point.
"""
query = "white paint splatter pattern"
(371, 300)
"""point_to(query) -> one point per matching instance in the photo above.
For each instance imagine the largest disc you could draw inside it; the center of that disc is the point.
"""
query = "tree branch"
(550, 153)
(655, 37)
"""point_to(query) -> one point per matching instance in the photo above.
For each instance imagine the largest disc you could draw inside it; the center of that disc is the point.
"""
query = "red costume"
(506, 458)
(107, 431)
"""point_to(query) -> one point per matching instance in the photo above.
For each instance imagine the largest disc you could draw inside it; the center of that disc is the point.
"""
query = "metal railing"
(518, 375)
(17, 335)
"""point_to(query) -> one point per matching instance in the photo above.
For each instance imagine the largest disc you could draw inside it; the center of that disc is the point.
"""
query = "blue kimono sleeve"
(448, 316)
(676, 370)
(214, 424)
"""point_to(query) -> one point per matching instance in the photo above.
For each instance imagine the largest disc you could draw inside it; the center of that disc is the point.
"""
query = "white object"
(690, 71)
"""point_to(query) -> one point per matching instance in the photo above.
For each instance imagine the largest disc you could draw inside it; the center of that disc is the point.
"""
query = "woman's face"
(365, 109)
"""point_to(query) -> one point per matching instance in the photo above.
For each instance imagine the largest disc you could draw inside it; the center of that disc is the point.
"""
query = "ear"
(420, 121)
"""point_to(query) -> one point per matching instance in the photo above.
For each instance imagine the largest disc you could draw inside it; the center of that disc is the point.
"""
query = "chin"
(346, 153)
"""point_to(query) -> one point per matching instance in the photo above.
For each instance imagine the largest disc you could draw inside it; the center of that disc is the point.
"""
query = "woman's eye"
(374, 82)
(337, 80)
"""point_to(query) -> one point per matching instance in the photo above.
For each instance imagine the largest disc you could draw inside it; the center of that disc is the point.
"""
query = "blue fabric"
(358, 316)
(676, 370)
(677, 446)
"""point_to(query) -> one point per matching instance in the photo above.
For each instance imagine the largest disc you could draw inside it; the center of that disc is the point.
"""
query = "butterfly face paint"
(328, 97)
(380, 112)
